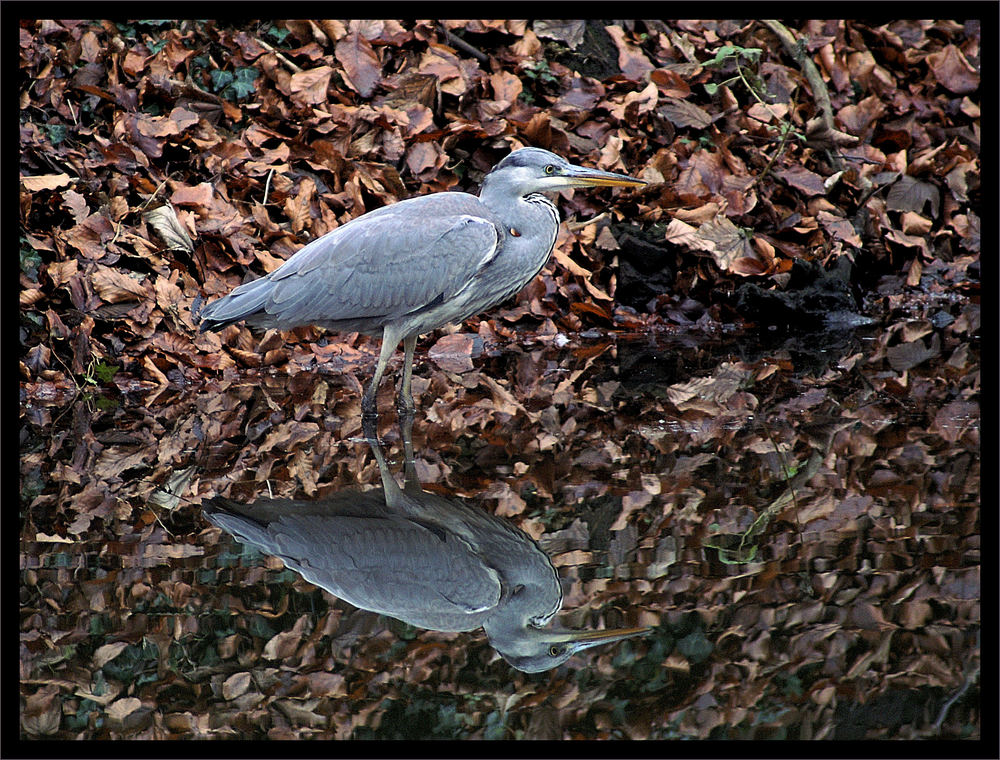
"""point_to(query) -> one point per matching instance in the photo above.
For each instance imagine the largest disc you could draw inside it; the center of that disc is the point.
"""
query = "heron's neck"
(521, 614)
(532, 219)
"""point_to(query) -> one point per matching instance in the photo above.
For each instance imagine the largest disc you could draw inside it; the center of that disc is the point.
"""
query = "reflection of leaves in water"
(135, 665)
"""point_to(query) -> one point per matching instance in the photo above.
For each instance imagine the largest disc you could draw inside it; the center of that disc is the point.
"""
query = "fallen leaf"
(45, 182)
(362, 68)
(308, 88)
(235, 685)
(912, 194)
(108, 652)
(953, 71)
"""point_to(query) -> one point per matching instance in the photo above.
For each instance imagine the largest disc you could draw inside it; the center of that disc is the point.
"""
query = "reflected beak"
(579, 176)
(580, 640)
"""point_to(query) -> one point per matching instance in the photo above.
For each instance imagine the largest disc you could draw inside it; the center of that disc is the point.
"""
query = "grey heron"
(416, 265)
(432, 562)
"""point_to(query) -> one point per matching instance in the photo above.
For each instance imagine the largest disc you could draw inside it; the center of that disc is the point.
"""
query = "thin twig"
(828, 133)
(461, 44)
(295, 68)
(574, 226)
(953, 699)
(781, 149)
(152, 197)
(820, 93)
(267, 186)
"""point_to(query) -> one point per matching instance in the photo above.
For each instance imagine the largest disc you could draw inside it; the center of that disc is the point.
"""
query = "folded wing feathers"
(383, 265)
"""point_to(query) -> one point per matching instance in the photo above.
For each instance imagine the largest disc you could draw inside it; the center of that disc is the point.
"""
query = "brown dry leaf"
(290, 434)
(201, 196)
(298, 207)
(914, 224)
(300, 712)
(112, 286)
(912, 194)
(454, 353)
(567, 263)
(682, 114)
(857, 119)
(749, 267)
(282, 645)
(165, 223)
(509, 503)
(601, 314)
(43, 537)
(953, 71)
(42, 712)
(728, 243)
(308, 88)
(802, 179)
(424, 156)
(122, 708)
(362, 68)
(157, 126)
(712, 393)
(168, 295)
(172, 551)
(570, 32)
(327, 685)
(840, 228)
(631, 502)
(77, 205)
(701, 178)
(631, 60)
(158, 377)
(45, 182)
(908, 241)
(506, 88)
(582, 95)
(644, 101)
(682, 233)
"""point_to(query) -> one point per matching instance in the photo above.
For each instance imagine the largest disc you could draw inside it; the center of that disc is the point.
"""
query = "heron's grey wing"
(388, 263)
(399, 567)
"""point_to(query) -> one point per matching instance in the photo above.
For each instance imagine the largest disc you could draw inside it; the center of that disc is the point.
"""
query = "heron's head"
(533, 170)
(535, 649)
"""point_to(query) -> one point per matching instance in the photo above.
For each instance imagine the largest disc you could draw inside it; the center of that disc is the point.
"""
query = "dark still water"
(797, 524)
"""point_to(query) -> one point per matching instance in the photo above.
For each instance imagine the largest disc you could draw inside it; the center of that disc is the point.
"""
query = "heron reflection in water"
(431, 562)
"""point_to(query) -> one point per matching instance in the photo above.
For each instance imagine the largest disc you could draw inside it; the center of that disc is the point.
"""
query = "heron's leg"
(404, 402)
(411, 481)
(393, 494)
(369, 406)
(369, 428)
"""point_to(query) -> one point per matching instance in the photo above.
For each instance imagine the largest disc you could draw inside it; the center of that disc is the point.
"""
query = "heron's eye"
(550, 169)
(555, 651)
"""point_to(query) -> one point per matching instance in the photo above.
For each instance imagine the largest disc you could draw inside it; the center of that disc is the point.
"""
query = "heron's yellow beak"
(580, 640)
(579, 176)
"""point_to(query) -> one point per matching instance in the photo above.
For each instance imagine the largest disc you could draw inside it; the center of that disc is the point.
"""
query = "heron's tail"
(231, 516)
(243, 303)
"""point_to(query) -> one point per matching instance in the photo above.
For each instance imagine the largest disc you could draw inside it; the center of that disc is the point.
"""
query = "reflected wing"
(399, 567)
